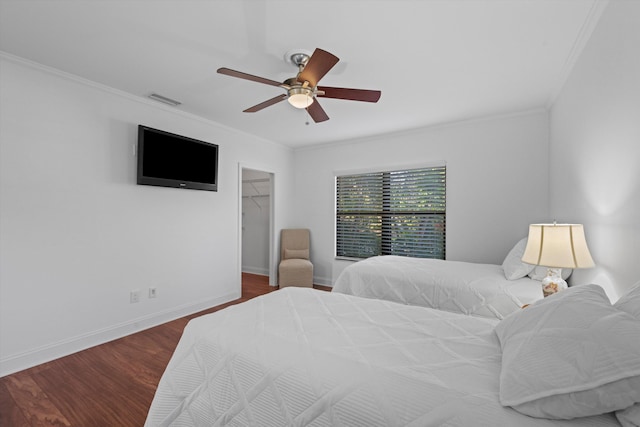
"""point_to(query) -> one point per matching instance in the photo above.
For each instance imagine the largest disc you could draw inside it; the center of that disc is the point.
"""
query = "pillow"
(513, 266)
(570, 355)
(630, 417)
(296, 253)
(539, 272)
(630, 302)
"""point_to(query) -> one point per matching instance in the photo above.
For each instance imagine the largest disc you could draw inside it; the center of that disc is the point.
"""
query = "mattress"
(461, 287)
(303, 357)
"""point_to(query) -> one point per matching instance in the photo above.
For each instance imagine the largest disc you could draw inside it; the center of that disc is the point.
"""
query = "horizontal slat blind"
(392, 213)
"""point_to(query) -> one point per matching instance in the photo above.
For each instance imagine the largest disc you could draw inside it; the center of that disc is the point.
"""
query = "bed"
(304, 357)
(464, 287)
(485, 290)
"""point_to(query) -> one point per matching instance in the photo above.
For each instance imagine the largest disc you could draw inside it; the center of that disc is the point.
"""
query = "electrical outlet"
(134, 296)
(153, 293)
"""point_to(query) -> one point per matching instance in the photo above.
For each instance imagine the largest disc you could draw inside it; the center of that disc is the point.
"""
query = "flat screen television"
(169, 160)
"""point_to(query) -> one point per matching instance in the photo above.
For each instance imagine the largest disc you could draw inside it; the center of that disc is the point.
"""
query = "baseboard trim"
(255, 270)
(29, 359)
(317, 280)
(324, 281)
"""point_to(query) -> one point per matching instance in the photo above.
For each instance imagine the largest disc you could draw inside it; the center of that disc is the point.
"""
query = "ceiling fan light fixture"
(300, 97)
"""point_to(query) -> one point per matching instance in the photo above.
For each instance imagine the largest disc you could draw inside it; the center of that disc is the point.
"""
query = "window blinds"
(392, 213)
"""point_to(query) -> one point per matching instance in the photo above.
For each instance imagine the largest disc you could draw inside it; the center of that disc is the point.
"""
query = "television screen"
(169, 160)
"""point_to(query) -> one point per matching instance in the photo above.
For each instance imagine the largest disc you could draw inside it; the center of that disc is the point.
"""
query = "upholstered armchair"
(295, 269)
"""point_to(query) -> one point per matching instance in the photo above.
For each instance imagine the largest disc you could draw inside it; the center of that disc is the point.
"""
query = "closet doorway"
(256, 225)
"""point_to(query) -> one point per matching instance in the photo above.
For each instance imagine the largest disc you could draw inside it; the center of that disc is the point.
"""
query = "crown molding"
(126, 95)
(589, 25)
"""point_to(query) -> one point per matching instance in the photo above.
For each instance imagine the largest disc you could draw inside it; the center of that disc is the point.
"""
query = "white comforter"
(303, 357)
(462, 287)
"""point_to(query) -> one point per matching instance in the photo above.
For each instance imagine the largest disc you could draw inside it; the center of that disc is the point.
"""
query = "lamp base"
(553, 282)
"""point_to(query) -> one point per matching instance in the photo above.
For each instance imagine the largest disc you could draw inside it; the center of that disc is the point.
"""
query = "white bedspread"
(303, 357)
(462, 287)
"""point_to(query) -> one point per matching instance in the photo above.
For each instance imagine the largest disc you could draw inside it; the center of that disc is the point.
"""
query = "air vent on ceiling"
(165, 100)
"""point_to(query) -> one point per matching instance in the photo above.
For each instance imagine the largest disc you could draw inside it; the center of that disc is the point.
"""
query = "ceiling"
(434, 61)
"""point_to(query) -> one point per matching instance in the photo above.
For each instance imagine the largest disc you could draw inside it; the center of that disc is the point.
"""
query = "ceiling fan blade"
(350, 94)
(318, 65)
(241, 75)
(266, 104)
(317, 112)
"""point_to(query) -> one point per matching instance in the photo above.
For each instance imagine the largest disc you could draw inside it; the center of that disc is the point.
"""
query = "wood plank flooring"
(108, 385)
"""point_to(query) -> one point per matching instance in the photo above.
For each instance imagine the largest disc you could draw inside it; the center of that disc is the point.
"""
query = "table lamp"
(557, 246)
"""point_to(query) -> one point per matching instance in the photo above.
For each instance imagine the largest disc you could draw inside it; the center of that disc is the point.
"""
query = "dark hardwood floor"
(108, 385)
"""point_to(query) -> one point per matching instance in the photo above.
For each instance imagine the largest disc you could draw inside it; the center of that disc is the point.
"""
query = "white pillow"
(630, 417)
(539, 272)
(570, 355)
(630, 302)
(513, 266)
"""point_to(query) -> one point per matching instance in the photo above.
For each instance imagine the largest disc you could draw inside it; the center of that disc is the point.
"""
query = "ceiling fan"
(303, 90)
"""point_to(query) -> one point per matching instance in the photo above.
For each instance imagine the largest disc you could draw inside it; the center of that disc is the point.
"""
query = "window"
(392, 213)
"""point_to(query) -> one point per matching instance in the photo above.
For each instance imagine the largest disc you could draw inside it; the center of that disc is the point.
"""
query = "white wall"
(595, 149)
(78, 234)
(497, 183)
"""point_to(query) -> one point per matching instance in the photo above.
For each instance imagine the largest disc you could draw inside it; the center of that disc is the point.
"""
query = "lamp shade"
(557, 246)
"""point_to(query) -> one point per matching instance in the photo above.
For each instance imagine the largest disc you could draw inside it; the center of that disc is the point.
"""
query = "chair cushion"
(296, 253)
(295, 272)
